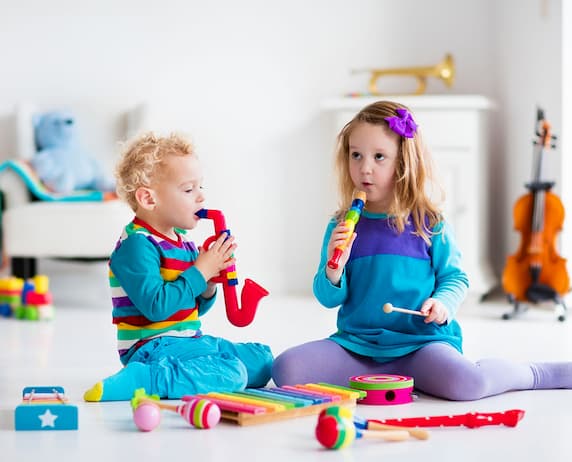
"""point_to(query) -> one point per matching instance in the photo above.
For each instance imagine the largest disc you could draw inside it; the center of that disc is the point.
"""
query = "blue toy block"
(5, 310)
(45, 408)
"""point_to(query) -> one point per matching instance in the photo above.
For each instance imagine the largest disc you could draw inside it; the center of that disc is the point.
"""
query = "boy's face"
(178, 193)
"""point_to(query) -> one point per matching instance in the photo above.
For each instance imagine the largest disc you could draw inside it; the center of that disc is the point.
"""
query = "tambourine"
(383, 389)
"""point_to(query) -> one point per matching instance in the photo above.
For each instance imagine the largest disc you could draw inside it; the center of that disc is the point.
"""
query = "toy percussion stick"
(351, 219)
(417, 433)
(388, 308)
(335, 432)
(363, 424)
(471, 420)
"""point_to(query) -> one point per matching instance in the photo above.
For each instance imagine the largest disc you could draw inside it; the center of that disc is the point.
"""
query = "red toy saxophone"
(251, 292)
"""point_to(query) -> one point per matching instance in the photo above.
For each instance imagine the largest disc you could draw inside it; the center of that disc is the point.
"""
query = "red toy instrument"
(471, 420)
(251, 292)
(352, 217)
(383, 388)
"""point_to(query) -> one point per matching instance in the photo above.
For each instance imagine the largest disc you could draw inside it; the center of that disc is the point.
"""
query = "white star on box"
(48, 419)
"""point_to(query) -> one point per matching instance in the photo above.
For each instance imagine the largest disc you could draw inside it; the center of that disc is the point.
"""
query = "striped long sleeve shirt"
(155, 287)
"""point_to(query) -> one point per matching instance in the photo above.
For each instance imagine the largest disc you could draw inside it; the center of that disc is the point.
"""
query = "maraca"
(335, 430)
(198, 412)
(147, 416)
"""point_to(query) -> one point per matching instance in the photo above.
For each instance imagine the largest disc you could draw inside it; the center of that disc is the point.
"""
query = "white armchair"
(71, 230)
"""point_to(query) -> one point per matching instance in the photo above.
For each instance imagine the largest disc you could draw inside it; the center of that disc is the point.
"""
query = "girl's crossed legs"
(438, 369)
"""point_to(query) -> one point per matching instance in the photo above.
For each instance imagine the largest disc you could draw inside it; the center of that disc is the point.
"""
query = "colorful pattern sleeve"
(156, 290)
(138, 268)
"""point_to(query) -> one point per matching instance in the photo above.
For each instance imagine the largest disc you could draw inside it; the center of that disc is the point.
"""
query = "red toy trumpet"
(251, 292)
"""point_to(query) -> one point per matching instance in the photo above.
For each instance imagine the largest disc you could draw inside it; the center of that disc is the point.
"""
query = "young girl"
(403, 253)
(160, 284)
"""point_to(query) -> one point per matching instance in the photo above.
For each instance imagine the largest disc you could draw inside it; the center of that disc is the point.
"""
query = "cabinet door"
(452, 138)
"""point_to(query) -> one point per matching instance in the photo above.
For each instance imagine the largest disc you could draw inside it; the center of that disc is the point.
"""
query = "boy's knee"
(259, 365)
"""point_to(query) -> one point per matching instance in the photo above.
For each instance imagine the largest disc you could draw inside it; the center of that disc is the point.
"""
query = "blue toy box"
(45, 408)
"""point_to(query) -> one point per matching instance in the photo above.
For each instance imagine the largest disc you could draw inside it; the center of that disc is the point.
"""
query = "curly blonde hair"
(142, 161)
(413, 173)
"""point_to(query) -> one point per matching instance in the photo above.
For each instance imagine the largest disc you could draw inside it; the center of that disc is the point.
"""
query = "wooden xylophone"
(263, 405)
(45, 408)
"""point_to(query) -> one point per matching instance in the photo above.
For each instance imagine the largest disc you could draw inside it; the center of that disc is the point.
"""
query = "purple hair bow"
(403, 123)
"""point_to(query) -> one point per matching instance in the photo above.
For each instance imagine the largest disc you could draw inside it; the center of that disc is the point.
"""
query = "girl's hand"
(217, 258)
(338, 237)
(435, 310)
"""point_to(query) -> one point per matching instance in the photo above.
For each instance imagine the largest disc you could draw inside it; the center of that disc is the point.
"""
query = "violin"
(536, 272)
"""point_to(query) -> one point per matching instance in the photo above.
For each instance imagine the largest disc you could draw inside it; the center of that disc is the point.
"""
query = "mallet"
(388, 308)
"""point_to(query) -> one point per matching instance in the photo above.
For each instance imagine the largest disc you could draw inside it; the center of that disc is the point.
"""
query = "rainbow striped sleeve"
(133, 328)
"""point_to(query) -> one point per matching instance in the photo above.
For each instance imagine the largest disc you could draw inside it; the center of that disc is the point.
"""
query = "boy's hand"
(435, 310)
(217, 258)
(338, 237)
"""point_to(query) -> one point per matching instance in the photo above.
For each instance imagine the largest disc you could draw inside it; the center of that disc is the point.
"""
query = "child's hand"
(338, 237)
(218, 257)
(435, 310)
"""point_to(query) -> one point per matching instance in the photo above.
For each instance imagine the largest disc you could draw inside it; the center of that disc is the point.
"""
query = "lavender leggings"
(438, 369)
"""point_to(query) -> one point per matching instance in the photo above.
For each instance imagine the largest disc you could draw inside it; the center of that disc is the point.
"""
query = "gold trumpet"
(445, 71)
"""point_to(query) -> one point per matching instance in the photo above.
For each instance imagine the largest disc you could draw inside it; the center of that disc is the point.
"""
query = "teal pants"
(173, 366)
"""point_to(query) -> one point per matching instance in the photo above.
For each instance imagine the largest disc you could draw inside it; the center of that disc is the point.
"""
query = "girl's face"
(178, 194)
(373, 151)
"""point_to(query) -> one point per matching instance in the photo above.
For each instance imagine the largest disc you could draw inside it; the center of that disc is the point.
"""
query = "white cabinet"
(454, 127)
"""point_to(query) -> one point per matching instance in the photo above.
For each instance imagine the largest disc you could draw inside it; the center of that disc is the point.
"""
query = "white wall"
(528, 74)
(246, 80)
(566, 144)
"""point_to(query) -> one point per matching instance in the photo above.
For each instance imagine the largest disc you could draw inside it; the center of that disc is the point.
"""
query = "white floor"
(78, 348)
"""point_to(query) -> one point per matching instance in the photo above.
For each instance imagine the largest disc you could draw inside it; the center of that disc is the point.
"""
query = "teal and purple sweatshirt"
(398, 268)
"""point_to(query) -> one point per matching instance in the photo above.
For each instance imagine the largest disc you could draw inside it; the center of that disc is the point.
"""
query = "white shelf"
(433, 102)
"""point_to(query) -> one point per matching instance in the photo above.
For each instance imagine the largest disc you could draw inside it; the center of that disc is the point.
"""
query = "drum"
(383, 389)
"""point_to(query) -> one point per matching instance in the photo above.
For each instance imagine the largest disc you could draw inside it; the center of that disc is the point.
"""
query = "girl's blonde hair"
(413, 173)
(142, 161)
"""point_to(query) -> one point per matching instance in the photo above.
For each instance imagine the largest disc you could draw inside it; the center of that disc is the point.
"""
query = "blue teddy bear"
(60, 162)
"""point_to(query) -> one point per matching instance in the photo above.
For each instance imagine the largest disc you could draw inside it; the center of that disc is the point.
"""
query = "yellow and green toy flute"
(352, 217)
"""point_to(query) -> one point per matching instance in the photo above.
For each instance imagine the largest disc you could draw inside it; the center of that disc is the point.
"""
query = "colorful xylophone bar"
(263, 405)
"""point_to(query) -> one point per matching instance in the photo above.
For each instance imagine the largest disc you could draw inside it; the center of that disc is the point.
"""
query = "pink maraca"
(147, 416)
(200, 413)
